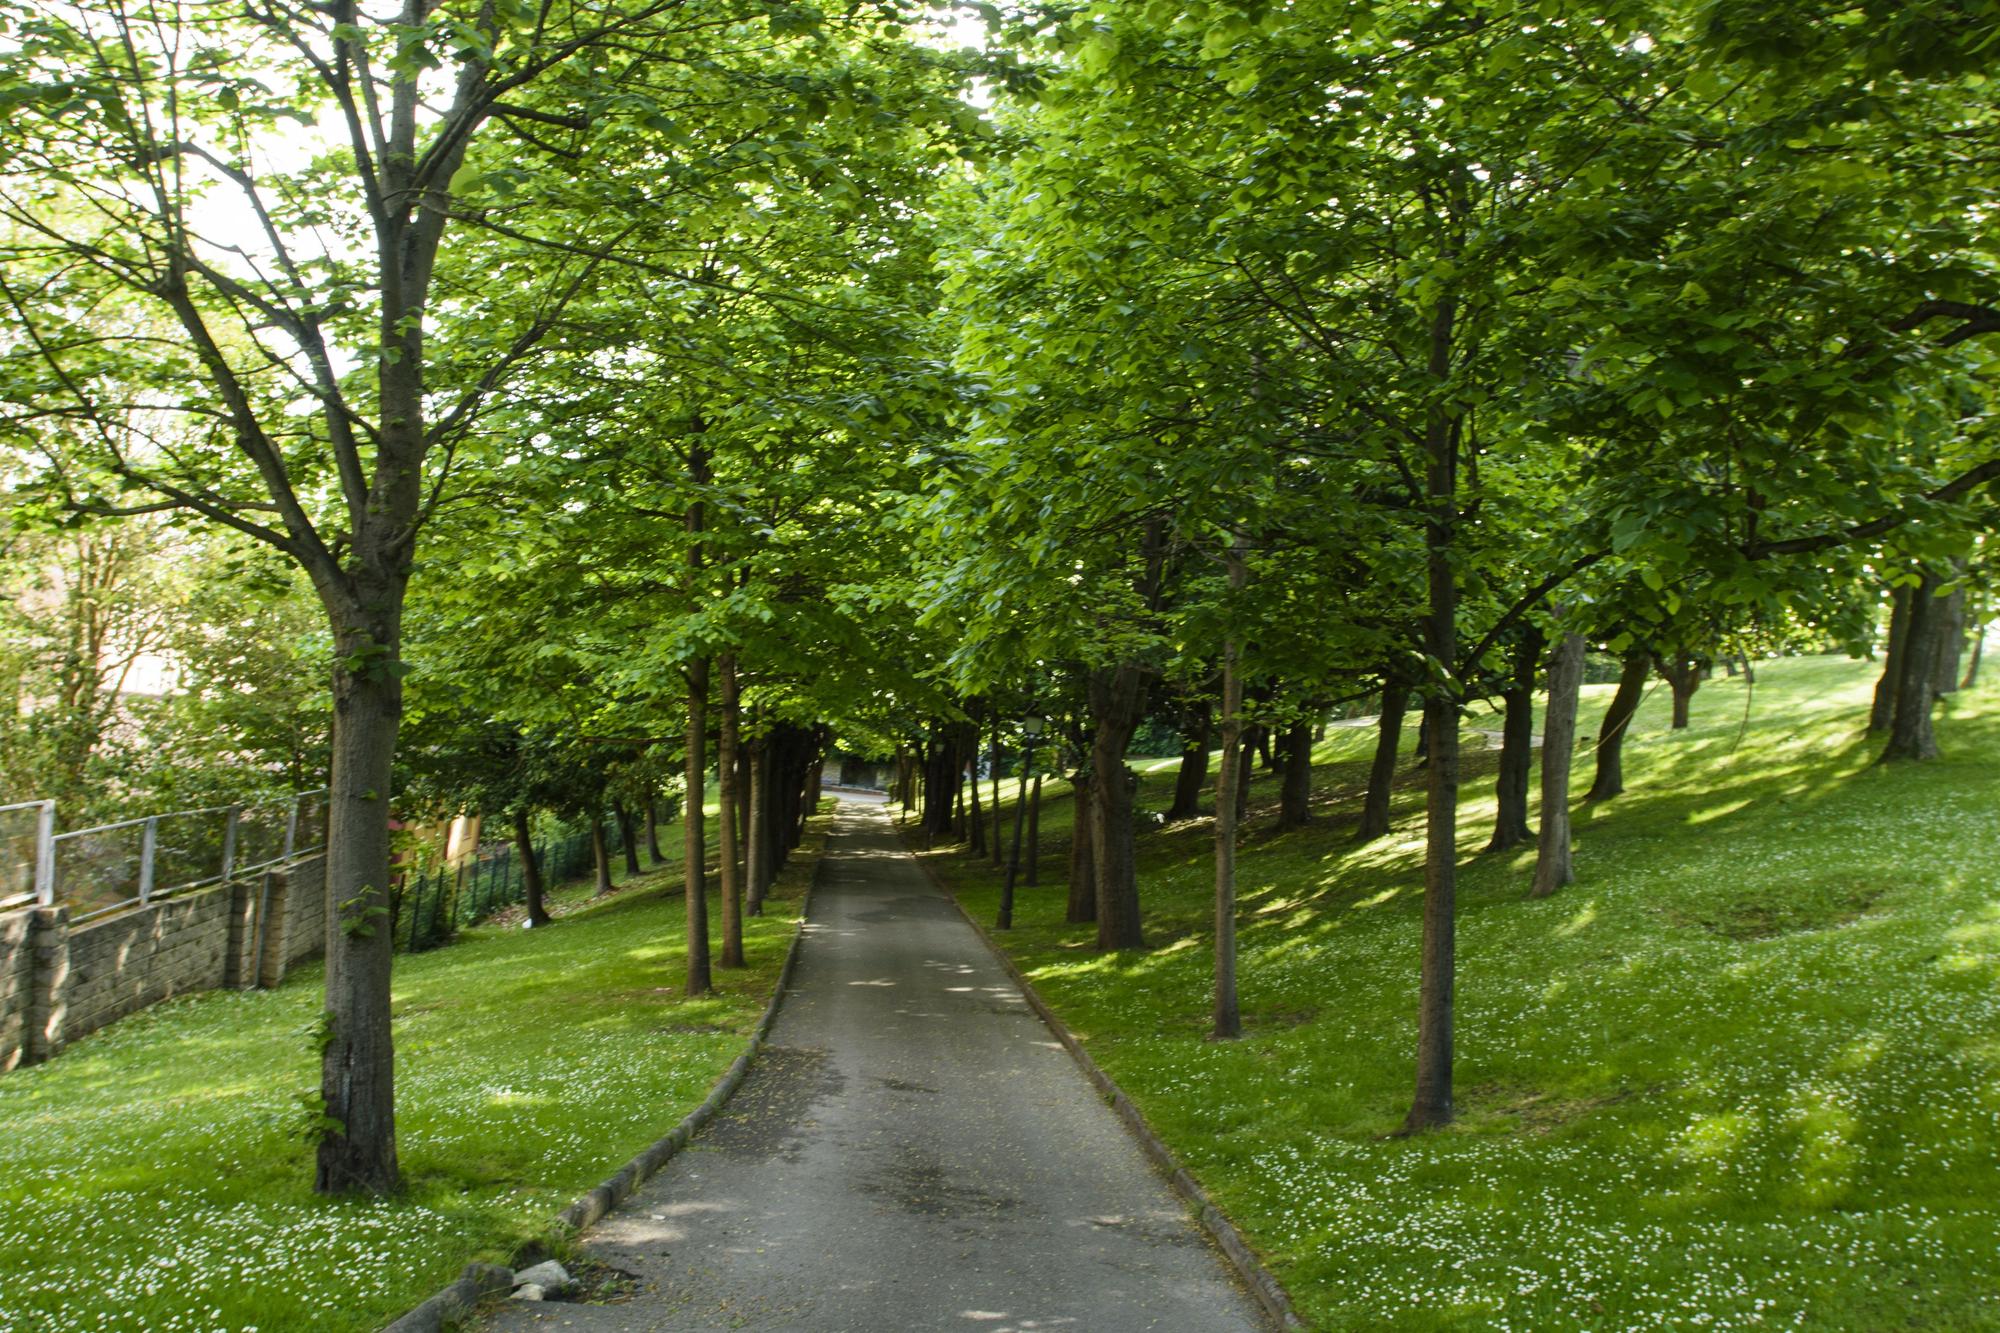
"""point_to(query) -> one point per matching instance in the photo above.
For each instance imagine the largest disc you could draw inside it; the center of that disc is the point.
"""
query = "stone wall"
(125, 962)
(16, 978)
(59, 981)
(305, 911)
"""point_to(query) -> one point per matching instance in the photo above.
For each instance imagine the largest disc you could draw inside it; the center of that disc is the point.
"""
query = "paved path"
(912, 1151)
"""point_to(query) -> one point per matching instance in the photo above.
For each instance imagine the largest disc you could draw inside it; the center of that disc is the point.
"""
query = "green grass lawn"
(151, 1176)
(1744, 1073)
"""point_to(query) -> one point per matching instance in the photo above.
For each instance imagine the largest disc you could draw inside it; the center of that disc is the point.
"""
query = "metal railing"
(133, 862)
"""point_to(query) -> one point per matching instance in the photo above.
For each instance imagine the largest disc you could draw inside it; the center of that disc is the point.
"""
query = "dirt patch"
(1535, 1111)
(1760, 920)
(600, 1284)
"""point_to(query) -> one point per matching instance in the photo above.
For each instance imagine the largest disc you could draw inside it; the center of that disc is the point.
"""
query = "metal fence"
(430, 907)
(98, 870)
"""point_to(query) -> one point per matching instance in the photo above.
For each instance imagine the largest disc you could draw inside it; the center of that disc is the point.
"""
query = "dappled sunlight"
(1712, 1138)
(1002, 1322)
(1712, 812)
(1584, 917)
(1860, 1053)
(1982, 933)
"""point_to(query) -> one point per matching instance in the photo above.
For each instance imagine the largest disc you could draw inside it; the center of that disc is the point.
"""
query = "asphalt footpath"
(913, 1150)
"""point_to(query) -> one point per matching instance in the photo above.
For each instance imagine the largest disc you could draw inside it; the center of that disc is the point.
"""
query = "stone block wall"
(305, 911)
(126, 962)
(59, 980)
(16, 980)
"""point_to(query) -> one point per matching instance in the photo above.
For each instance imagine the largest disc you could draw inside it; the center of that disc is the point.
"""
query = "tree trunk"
(1552, 859)
(600, 853)
(1432, 1104)
(940, 765)
(1950, 632)
(958, 797)
(1423, 751)
(1910, 736)
(695, 815)
(757, 854)
(1295, 794)
(694, 821)
(974, 812)
(1193, 774)
(1609, 779)
(653, 831)
(742, 790)
(1006, 919)
(1683, 675)
(1035, 831)
(729, 773)
(628, 834)
(1517, 745)
(1117, 699)
(815, 779)
(1382, 772)
(994, 765)
(1245, 772)
(1883, 710)
(357, 1145)
(1228, 1017)
(1978, 636)
(531, 871)
(1082, 857)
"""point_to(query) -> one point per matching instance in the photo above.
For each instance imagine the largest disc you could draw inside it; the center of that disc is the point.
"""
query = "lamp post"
(1031, 730)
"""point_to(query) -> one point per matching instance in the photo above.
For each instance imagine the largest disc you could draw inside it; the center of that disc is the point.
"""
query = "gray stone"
(531, 1292)
(549, 1275)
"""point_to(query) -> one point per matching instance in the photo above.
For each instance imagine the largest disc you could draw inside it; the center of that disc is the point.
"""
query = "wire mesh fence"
(431, 906)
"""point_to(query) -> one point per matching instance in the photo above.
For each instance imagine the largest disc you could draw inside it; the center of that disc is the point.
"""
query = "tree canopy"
(652, 392)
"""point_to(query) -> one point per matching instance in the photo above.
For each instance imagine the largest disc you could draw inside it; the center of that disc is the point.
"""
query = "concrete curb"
(458, 1299)
(1262, 1284)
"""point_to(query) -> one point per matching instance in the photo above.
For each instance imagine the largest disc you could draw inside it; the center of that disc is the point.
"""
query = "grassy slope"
(1745, 1073)
(150, 1177)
